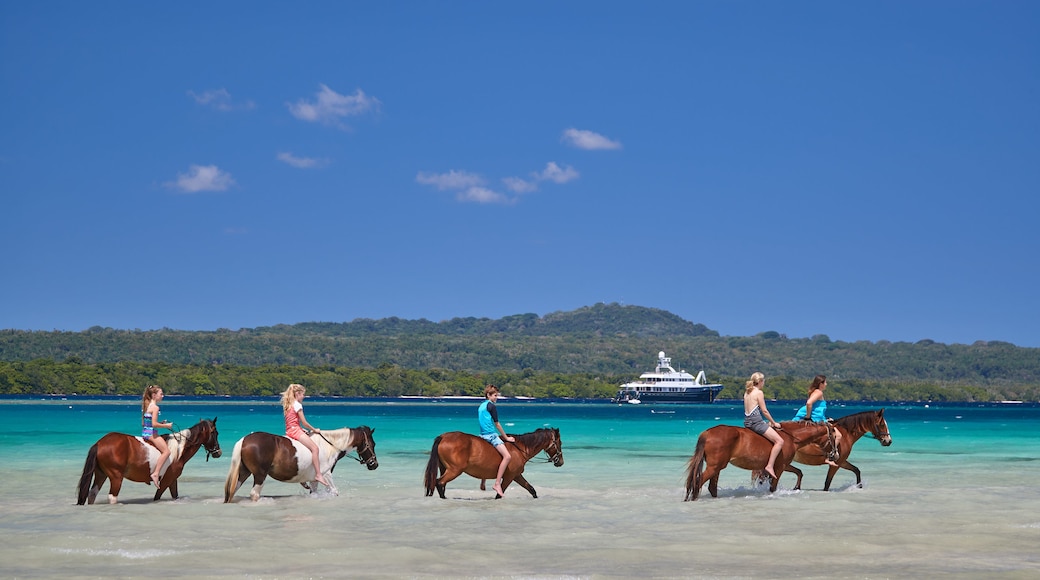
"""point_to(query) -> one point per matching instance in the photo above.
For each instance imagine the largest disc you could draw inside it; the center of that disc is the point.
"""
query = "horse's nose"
(372, 465)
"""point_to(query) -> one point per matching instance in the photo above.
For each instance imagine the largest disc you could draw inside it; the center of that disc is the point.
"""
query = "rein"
(356, 448)
(550, 459)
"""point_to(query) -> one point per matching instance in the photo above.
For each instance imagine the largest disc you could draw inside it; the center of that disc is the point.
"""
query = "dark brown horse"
(117, 456)
(725, 444)
(852, 427)
(456, 453)
(266, 454)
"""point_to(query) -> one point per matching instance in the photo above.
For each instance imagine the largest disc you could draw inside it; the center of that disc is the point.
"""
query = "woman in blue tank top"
(815, 410)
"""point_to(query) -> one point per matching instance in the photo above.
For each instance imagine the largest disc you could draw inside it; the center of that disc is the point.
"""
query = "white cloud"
(450, 180)
(301, 162)
(202, 178)
(556, 174)
(483, 195)
(219, 99)
(518, 185)
(330, 107)
(583, 139)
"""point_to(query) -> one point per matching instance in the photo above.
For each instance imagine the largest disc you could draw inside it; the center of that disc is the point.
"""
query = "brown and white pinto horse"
(117, 456)
(725, 444)
(455, 453)
(266, 454)
(852, 427)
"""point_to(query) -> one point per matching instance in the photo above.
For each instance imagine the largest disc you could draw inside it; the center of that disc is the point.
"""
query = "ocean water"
(956, 494)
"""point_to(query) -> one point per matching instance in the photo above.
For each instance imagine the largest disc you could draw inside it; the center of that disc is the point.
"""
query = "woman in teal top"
(815, 410)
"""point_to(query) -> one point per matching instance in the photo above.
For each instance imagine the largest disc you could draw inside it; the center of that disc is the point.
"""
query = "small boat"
(667, 385)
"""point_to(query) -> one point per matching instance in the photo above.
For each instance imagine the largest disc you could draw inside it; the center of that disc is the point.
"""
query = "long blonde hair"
(289, 396)
(146, 398)
(756, 379)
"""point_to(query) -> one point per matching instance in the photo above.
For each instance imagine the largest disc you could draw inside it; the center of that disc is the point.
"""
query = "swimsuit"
(487, 415)
(819, 413)
(147, 430)
(292, 422)
(755, 421)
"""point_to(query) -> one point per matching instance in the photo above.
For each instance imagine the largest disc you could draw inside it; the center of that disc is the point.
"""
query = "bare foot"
(322, 481)
(770, 472)
(831, 462)
(155, 479)
(498, 489)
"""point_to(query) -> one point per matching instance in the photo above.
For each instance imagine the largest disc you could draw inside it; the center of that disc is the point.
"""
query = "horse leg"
(258, 484)
(99, 480)
(113, 490)
(796, 471)
(331, 485)
(449, 474)
(522, 482)
(832, 471)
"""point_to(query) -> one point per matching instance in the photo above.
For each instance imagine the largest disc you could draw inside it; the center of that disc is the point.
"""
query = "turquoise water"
(956, 493)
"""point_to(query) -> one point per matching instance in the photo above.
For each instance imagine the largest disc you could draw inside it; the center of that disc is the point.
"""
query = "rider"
(292, 408)
(490, 429)
(815, 410)
(150, 422)
(754, 409)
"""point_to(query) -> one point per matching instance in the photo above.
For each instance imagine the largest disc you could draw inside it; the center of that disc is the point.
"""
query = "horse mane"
(864, 420)
(534, 437)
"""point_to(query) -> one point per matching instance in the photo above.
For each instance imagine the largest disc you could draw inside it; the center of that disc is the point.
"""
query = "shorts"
(492, 438)
(296, 434)
(756, 423)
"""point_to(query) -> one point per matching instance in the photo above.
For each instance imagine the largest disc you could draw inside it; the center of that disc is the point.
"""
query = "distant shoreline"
(467, 399)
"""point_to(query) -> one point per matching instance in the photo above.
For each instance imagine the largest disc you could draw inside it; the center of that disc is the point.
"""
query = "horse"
(852, 427)
(265, 454)
(117, 456)
(455, 453)
(724, 444)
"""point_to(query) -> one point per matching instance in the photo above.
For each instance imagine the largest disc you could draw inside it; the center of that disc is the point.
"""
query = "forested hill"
(598, 320)
(608, 340)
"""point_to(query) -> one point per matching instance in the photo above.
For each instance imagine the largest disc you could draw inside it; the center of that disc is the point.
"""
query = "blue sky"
(868, 171)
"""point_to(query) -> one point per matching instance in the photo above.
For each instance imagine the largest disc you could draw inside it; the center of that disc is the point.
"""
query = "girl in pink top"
(292, 407)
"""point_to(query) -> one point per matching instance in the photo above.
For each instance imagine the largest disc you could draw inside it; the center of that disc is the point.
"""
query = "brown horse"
(456, 453)
(852, 427)
(117, 456)
(266, 454)
(724, 444)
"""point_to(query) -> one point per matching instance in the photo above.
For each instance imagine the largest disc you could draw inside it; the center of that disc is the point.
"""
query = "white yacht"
(667, 385)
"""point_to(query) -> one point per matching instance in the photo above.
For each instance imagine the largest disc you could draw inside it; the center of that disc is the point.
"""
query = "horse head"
(555, 447)
(880, 430)
(367, 447)
(209, 438)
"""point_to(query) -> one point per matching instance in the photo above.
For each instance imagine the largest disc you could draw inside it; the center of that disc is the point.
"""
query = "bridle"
(369, 448)
(555, 457)
(876, 433)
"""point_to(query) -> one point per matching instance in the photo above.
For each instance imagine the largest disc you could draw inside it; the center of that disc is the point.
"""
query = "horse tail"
(88, 475)
(694, 471)
(430, 479)
(231, 483)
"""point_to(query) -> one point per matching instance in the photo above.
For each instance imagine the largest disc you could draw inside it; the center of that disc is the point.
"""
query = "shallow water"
(955, 494)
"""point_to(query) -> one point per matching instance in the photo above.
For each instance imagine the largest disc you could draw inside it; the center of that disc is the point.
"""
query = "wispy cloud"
(301, 162)
(583, 139)
(483, 195)
(518, 185)
(220, 99)
(202, 178)
(330, 107)
(450, 180)
(468, 187)
(552, 172)
(557, 174)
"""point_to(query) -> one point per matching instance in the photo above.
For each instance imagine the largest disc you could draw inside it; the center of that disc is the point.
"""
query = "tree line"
(582, 353)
